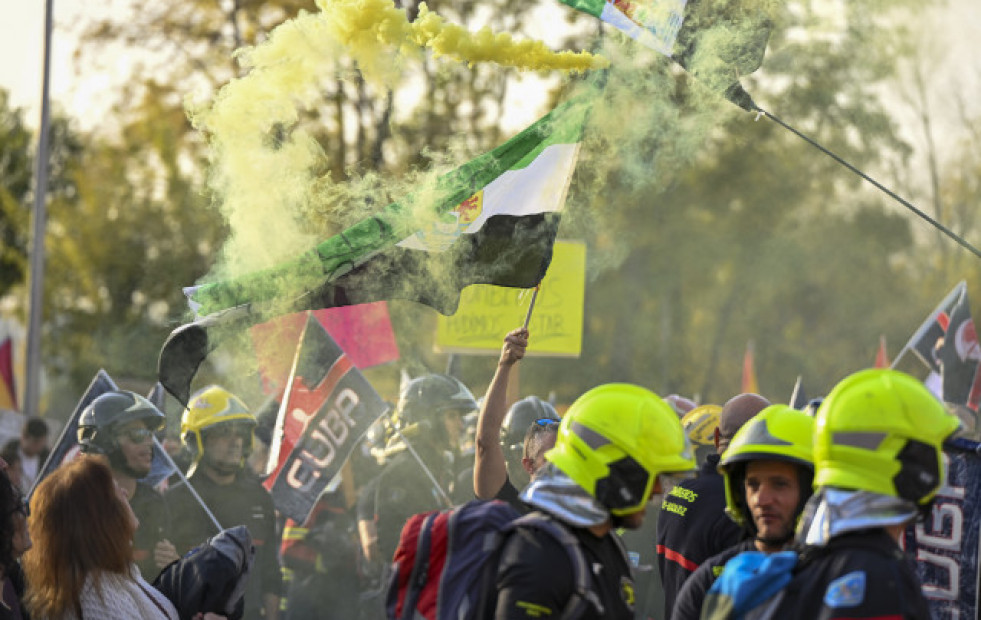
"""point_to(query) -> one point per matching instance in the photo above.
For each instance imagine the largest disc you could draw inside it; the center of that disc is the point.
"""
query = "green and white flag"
(491, 221)
(716, 42)
(652, 23)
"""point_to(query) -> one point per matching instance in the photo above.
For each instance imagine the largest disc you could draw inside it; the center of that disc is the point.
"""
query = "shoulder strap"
(420, 568)
(583, 594)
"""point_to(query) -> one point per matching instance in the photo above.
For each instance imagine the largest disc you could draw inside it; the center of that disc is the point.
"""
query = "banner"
(334, 405)
(945, 545)
(487, 312)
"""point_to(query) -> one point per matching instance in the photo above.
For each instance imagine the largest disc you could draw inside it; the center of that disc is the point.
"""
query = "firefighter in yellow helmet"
(767, 472)
(878, 464)
(617, 445)
(217, 429)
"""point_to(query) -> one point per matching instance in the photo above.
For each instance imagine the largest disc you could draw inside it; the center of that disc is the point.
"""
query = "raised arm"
(490, 469)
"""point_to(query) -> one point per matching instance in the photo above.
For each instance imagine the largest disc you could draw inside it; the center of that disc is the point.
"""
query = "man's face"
(534, 462)
(224, 446)
(135, 441)
(772, 495)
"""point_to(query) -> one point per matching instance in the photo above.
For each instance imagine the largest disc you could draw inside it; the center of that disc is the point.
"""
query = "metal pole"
(422, 464)
(36, 303)
(187, 483)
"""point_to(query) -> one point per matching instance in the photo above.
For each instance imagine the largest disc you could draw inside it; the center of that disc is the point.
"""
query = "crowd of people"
(789, 514)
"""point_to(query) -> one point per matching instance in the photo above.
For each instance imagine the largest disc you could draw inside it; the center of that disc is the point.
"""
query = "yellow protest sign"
(488, 312)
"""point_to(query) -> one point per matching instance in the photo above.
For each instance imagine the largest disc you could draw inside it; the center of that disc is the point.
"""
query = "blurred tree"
(15, 190)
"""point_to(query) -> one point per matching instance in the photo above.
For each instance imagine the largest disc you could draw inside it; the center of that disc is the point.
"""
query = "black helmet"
(97, 422)
(520, 417)
(424, 398)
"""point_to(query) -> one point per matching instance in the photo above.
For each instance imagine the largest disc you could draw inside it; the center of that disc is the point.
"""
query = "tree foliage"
(705, 229)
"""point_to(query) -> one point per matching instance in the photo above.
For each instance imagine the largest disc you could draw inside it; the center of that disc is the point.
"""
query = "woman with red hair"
(81, 564)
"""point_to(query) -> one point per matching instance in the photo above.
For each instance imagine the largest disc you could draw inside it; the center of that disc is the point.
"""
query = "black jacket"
(692, 526)
(860, 574)
(688, 603)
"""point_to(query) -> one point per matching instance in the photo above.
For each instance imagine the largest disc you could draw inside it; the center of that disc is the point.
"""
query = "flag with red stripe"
(326, 408)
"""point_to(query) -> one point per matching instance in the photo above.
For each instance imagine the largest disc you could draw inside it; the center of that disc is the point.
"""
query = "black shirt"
(688, 603)
(535, 580)
(151, 509)
(508, 493)
(692, 526)
(861, 574)
(243, 502)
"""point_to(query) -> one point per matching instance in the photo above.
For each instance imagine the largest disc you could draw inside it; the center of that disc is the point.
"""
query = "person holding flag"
(516, 453)
(217, 428)
(120, 425)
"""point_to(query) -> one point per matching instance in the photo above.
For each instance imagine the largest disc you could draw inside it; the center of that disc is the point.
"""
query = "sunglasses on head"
(137, 435)
(544, 424)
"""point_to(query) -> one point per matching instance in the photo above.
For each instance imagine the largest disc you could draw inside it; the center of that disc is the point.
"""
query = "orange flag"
(881, 357)
(749, 384)
(8, 396)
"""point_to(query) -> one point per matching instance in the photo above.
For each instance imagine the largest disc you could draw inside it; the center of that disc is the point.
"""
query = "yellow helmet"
(700, 424)
(211, 407)
(882, 431)
(615, 440)
(778, 433)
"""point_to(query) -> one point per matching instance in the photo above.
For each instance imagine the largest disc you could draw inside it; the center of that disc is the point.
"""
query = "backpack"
(446, 560)
(749, 580)
(211, 577)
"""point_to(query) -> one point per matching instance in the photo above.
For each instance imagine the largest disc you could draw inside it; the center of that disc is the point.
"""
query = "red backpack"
(445, 563)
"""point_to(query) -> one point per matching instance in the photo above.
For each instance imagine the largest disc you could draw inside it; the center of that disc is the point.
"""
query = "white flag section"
(652, 23)
(655, 26)
(538, 187)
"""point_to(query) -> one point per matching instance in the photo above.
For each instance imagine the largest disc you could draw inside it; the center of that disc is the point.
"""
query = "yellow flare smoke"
(261, 186)
(361, 23)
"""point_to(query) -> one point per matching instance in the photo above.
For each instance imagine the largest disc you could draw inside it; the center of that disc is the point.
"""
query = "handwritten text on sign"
(487, 312)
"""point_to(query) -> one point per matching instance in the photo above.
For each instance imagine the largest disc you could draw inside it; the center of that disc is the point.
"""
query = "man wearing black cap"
(692, 525)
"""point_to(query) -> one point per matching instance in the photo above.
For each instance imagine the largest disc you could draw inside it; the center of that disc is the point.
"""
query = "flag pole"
(279, 428)
(429, 474)
(190, 487)
(36, 303)
(960, 240)
(531, 306)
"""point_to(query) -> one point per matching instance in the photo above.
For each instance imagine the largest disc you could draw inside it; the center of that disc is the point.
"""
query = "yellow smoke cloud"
(265, 180)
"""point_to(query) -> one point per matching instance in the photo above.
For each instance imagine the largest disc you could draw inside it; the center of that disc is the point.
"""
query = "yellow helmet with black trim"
(700, 424)
(882, 431)
(211, 407)
(777, 433)
(615, 440)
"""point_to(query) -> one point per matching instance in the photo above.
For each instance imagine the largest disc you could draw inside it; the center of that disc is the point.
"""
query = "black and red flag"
(926, 339)
(326, 408)
(960, 357)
